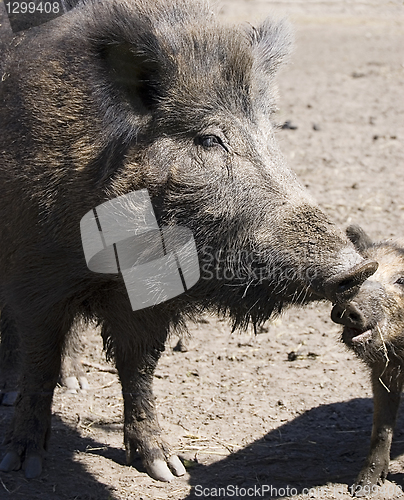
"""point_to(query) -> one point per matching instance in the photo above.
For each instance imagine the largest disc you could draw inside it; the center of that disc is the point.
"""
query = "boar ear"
(358, 237)
(133, 73)
(272, 42)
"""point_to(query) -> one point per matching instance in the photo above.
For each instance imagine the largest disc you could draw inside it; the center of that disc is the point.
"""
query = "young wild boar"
(374, 329)
(119, 96)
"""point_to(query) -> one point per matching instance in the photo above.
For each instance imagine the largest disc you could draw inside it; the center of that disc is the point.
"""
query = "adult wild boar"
(374, 329)
(118, 96)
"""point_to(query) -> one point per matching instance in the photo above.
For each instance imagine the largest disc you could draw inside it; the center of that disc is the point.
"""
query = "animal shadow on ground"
(327, 444)
(63, 477)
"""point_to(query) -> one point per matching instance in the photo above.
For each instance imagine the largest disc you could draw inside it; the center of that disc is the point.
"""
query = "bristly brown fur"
(117, 96)
(377, 312)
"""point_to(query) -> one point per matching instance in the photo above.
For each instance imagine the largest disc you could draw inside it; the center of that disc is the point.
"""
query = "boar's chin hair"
(375, 353)
(248, 306)
(241, 278)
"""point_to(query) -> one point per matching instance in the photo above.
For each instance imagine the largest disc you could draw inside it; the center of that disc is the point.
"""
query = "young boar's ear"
(272, 42)
(134, 74)
(358, 237)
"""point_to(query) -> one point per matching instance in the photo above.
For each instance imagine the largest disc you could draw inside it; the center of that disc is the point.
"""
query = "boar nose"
(344, 286)
(348, 315)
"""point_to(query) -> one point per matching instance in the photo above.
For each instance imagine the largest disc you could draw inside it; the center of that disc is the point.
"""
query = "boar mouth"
(354, 337)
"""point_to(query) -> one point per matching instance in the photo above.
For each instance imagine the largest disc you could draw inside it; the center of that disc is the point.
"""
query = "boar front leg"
(10, 358)
(41, 349)
(386, 404)
(136, 359)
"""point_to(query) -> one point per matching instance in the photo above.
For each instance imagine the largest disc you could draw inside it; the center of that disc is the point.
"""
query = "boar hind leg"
(136, 359)
(386, 405)
(41, 349)
(72, 373)
(10, 359)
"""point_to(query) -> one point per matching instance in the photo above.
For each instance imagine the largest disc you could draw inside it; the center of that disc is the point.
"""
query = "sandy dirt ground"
(245, 414)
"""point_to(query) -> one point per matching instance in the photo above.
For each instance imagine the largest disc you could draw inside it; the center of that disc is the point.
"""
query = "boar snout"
(357, 329)
(349, 315)
(344, 286)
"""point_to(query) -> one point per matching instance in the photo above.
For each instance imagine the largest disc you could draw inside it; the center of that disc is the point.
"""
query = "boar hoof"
(159, 470)
(33, 466)
(10, 462)
(366, 491)
(176, 466)
(368, 482)
(85, 386)
(358, 491)
(74, 384)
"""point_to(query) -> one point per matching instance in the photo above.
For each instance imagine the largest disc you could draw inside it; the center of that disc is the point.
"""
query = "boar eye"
(209, 141)
(400, 281)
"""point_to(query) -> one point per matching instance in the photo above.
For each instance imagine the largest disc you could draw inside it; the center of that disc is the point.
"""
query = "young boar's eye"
(209, 141)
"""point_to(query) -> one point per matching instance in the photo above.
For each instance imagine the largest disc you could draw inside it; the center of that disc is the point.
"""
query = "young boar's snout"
(349, 315)
(344, 286)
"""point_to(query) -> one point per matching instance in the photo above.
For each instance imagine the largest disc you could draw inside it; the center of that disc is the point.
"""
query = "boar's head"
(119, 96)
